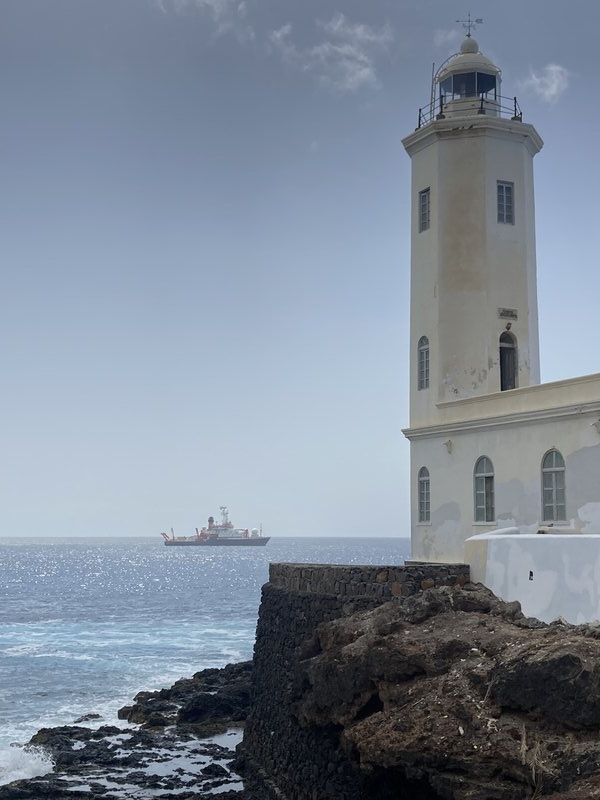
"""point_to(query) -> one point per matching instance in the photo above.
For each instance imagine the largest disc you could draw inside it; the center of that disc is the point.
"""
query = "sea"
(87, 623)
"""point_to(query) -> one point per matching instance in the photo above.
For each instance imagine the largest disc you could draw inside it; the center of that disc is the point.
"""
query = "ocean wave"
(41, 651)
(21, 650)
(64, 654)
(18, 763)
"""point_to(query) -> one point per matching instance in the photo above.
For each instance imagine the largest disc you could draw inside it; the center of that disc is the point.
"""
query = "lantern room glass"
(468, 84)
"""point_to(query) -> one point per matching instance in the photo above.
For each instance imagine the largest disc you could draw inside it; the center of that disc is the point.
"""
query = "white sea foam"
(63, 654)
(17, 763)
(66, 714)
(21, 650)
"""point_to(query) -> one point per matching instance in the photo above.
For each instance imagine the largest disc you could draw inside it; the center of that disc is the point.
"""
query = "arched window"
(484, 490)
(553, 487)
(423, 363)
(508, 361)
(424, 495)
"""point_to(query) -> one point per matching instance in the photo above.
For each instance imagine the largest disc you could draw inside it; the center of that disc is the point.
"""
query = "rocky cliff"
(449, 693)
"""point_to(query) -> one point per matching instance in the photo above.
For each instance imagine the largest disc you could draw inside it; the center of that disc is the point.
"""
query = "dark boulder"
(212, 695)
(454, 694)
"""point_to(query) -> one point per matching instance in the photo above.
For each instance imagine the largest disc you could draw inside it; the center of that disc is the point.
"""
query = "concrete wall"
(551, 575)
(291, 762)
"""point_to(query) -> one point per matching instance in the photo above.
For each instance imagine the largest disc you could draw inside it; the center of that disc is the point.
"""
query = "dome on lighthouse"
(467, 76)
(469, 59)
(469, 45)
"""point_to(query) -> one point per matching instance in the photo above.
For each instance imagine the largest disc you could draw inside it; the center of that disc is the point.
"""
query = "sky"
(204, 250)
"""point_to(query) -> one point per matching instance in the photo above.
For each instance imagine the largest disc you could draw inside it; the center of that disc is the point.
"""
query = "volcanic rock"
(216, 696)
(165, 757)
(457, 693)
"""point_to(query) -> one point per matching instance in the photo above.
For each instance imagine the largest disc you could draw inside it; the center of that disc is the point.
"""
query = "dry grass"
(531, 757)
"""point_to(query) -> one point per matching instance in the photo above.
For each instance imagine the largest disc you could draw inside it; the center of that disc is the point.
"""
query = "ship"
(218, 535)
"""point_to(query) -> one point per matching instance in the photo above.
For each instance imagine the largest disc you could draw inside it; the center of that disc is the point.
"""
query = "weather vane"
(469, 24)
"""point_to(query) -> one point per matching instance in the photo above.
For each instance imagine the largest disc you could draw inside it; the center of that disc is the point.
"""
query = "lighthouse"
(492, 448)
(473, 265)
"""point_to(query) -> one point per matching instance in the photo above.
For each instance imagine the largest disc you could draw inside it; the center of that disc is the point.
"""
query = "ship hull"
(257, 542)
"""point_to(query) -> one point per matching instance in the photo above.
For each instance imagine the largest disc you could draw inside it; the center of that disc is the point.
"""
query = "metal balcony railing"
(444, 108)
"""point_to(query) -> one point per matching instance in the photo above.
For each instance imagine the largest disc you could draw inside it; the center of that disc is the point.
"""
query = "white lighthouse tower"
(474, 324)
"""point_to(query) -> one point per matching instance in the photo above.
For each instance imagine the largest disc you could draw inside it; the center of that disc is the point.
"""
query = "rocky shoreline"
(181, 744)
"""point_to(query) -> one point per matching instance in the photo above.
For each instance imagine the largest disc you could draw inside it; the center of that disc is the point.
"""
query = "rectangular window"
(423, 379)
(424, 210)
(424, 496)
(424, 502)
(554, 496)
(506, 208)
(484, 498)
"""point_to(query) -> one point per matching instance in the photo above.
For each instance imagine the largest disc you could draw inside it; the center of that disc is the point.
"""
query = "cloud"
(344, 60)
(549, 83)
(229, 16)
(358, 34)
(445, 38)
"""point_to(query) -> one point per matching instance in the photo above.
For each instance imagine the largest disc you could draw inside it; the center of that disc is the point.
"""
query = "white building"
(491, 447)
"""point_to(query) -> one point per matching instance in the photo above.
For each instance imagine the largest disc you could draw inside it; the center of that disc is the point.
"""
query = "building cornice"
(463, 419)
(501, 420)
(530, 394)
(473, 126)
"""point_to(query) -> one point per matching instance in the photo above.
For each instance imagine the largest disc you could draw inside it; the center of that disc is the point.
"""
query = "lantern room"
(467, 83)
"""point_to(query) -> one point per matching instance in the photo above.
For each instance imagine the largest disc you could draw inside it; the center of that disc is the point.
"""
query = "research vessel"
(218, 534)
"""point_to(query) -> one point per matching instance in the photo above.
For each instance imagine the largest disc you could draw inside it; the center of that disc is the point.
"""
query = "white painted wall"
(551, 575)
(516, 442)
